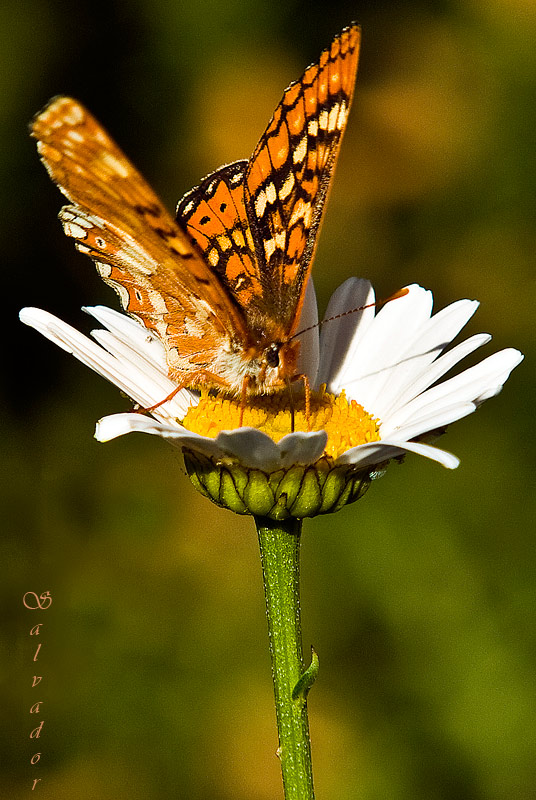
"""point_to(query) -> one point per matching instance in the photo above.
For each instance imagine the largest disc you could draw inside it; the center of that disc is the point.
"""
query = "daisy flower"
(375, 378)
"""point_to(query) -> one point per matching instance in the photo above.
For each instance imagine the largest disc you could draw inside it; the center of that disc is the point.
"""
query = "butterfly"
(222, 285)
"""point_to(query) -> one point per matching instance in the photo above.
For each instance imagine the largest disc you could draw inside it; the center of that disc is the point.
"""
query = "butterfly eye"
(272, 355)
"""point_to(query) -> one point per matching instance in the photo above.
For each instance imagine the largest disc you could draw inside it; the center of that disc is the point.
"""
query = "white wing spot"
(271, 194)
(213, 257)
(104, 270)
(75, 136)
(124, 296)
(157, 301)
(85, 222)
(237, 179)
(333, 118)
(74, 230)
(74, 116)
(287, 186)
(193, 328)
(269, 248)
(238, 238)
(260, 204)
(312, 127)
(77, 219)
(116, 165)
(300, 151)
(343, 116)
(280, 239)
(224, 242)
(323, 120)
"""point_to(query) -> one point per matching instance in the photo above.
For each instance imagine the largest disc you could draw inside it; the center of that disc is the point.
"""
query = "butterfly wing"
(289, 175)
(116, 218)
(257, 221)
(214, 216)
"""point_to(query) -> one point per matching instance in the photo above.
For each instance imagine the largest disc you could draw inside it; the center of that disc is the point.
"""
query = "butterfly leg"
(307, 394)
(307, 391)
(170, 396)
(243, 400)
(307, 398)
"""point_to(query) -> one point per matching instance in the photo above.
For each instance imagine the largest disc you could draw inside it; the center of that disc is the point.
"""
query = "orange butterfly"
(223, 285)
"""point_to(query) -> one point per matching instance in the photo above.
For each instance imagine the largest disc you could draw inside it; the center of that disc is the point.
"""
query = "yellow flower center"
(346, 423)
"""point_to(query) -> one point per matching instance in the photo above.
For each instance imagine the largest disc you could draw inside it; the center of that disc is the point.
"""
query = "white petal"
(423, 423)
(374, 453)
(48, 325)
(433, 372)
(503, 363)
(128, 330)
(116, 425)
(148, 374)
(140, 379)
(472, 385)
(338, 333)
(368, 368)
(310, 338)
(301, 447)
(257, 450)
(428, 342)
(251, 447)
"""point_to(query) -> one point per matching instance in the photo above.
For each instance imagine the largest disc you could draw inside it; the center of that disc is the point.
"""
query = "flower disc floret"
(346, 423)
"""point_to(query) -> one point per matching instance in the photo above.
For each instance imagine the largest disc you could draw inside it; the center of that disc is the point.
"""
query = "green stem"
(280, 557)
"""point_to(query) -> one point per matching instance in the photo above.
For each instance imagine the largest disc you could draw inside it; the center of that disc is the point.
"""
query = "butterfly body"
(222, 285)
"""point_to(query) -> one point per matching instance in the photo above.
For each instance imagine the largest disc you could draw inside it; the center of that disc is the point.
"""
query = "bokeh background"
(420, 599)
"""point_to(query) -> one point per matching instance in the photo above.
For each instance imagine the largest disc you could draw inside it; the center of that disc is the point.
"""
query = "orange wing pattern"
(214, 216)
(290, 171)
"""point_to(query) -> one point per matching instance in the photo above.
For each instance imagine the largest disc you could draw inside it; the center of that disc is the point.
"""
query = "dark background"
(420, 598)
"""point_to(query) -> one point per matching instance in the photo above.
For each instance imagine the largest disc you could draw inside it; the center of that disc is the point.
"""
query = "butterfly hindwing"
(214, 216)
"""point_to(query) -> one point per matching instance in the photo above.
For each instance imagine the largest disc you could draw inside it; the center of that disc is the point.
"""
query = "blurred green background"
(420, 599)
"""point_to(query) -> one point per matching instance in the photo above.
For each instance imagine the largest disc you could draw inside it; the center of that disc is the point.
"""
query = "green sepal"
(296, 492)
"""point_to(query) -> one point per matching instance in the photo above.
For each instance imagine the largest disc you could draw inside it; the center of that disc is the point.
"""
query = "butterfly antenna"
(377, 303)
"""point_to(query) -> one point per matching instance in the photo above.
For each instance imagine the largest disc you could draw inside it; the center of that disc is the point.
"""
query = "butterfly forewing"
(289, 174)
